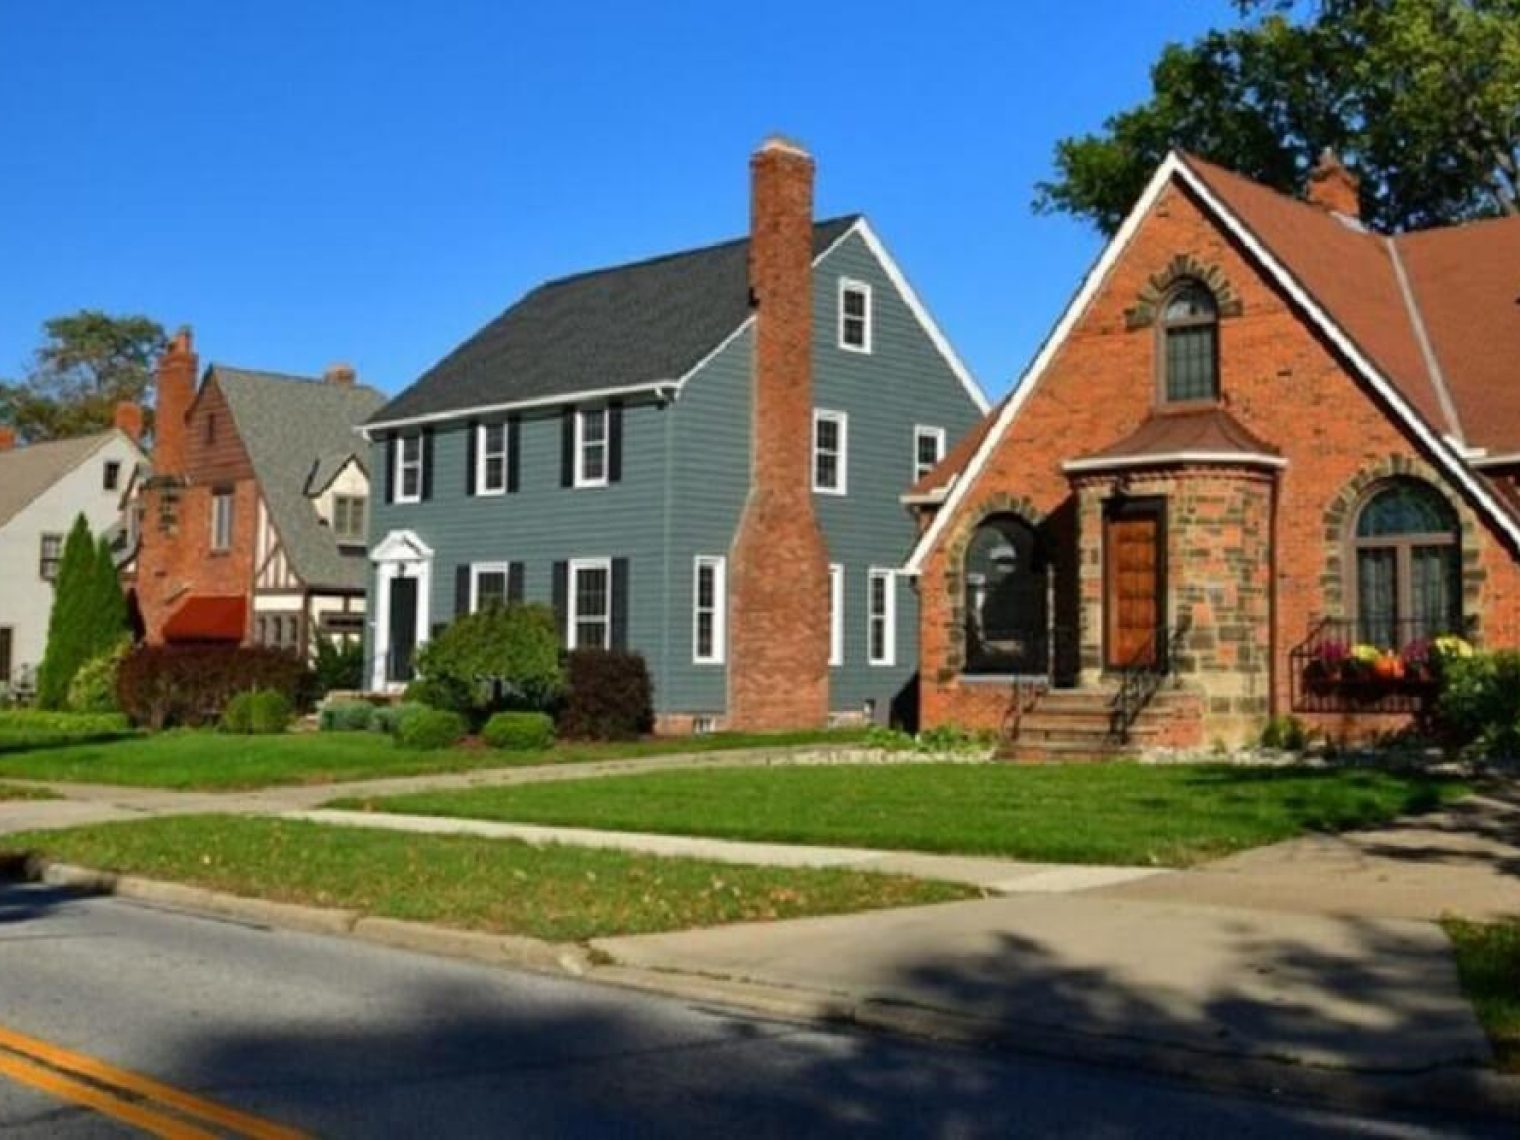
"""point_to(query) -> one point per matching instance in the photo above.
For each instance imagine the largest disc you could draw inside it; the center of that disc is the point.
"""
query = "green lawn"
(1488, 959)
(212, 761)
(556, 893)
(1101, 813)
(10, 792)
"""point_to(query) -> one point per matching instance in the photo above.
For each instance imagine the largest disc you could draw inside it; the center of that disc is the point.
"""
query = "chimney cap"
(183, 341)
(777, 142)
(341, 373)
(1333, 186)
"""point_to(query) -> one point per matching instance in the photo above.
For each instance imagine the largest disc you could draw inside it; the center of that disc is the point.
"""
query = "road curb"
(1463, 1092)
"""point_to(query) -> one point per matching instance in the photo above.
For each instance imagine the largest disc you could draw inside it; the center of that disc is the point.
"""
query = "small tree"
(503, 656)
(69, 641)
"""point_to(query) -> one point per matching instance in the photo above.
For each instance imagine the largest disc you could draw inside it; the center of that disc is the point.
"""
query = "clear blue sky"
(371, 181)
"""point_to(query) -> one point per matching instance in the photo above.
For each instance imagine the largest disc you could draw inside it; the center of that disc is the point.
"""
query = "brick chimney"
(176, 390)
(343, 375)
(778, 675)
(129, 420)
(1334, 188)
(7, 438)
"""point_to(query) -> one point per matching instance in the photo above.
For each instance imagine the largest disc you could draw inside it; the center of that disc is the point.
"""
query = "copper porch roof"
(1210, 434)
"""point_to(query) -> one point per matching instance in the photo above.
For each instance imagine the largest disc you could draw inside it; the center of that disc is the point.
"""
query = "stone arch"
(1341, 514)
(1183, 267)
(954, 577)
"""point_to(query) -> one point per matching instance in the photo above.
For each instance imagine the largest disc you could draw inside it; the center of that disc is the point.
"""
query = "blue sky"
(372, 181)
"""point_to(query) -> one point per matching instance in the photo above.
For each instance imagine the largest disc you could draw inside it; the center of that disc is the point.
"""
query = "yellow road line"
(253, 1127)
(77, 1092)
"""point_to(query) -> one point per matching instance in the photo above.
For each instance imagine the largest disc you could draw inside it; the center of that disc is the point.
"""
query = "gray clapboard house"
(592, 448)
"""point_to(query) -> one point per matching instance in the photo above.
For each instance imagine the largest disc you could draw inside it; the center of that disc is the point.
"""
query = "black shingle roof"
(609, 328)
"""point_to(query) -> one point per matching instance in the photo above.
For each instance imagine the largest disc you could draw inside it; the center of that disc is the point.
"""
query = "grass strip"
(503, 886)
(1488, 961)
(210, 761)
(1169, 815)
(11, 792)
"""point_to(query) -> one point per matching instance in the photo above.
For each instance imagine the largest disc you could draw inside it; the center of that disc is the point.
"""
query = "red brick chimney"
(7, 438)
(1334, 188)
(129, 420)
(778, 673)
(176, 390)
(343, 375)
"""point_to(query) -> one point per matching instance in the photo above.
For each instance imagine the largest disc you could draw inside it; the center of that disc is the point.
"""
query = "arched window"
(1006, 605)
(1190, 345)
(1408, 566)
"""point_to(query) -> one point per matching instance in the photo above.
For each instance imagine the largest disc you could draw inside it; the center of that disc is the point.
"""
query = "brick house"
(1259, 435)
(252, 523)
(697, 457)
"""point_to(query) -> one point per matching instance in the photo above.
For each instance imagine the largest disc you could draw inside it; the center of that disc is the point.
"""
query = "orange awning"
(209, 618)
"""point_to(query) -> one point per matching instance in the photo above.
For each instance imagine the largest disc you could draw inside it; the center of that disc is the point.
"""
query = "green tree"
(88, 363)
(502, 656)
(1420, 97)
(89, 614)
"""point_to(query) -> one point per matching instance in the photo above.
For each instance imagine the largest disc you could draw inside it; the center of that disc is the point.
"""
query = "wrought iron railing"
(1338, 668)
(1142, 676)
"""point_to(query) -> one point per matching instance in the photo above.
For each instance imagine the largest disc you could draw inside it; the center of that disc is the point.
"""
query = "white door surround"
(400, 554)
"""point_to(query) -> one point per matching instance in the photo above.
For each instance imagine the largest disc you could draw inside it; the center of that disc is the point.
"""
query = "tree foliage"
(503, 656)
(88, 363)
(89, 615)
(1421, 98)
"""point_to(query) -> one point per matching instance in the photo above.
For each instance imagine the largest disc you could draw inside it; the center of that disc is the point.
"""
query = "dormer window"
(1189, 330)
(854, 315)
(348, 520)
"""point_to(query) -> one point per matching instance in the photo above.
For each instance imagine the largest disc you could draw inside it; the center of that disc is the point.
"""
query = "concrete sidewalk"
(1364, 995)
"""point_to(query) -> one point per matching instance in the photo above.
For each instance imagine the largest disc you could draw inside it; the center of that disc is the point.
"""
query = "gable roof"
(1371, 296)
(290, 427)
(605, 331)
(26, 472)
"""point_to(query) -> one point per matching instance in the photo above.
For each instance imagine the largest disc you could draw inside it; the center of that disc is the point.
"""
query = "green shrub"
(504, 657)
(190, 685)
(610, 697)
(519, 731)
(430, 729)
(88, 617)
(1285, 732)
(339, 664)
(388, 718)
(441, 693)
(1479, 702)
(346, 716)
(237, 717)
(270, 713)
(888, 739)
(93, 689)
(27, 727)
(947, 738)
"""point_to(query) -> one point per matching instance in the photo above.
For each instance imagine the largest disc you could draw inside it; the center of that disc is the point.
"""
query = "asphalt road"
(342, 1039)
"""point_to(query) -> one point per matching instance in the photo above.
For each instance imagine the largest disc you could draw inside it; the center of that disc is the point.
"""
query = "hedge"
(610, 696)
(519, 731)
(430, 729)
(162, 685)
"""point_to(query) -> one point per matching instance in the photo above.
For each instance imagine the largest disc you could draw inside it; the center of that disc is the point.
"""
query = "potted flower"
(1417, 661)
(1361, 662)
(1326, 666)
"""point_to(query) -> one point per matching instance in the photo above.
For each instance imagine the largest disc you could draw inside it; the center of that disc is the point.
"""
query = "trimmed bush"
(388, 718)
(93, 689)
(346, 716)
(237, 717)
(519, 731)
(270, 712)
(441, 693)
(504, 657)
(190, 685)
(339, 664)
(610, 697)
(1479, 702)
(430, 729)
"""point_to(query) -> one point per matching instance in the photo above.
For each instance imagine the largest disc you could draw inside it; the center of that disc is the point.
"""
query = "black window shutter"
(620, 603)
(472, 453)
(562, 601)
(615, 441)
(427, 464)
(461, 589)
(390, 467)
(514, 433)
(567, 448)
(514, 581)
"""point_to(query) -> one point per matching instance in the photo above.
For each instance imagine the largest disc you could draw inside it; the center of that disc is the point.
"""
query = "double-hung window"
(836, 614)
(348, 519)
(591, 447)
(708, 605)
(831, 439)
(409, 468)
(49, 556)
(491, 459)
(928, 449)
(590, 617)
(488, 585)
(221, 521)
(854, 315)
(881, 617)
(110, 477)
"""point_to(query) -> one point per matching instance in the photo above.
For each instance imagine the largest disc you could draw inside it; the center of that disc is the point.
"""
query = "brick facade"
(1255, 556)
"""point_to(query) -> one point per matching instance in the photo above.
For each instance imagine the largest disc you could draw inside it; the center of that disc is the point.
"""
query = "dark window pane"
(1377, 596)
(1190, 363)
(1406, 508)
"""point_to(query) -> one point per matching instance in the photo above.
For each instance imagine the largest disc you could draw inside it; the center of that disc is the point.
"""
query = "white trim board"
(1174, 167)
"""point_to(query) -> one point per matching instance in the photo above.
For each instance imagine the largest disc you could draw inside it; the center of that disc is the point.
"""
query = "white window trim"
(920, 431)
(400, 465)
(400, 554)
(348, 538)
(888, 617)
(842, 420)
(719, 566)
(482, 488)
(850, 285)
(836, 615)
(217, 499)
(479, 568)
(581, 479)
(572, 616)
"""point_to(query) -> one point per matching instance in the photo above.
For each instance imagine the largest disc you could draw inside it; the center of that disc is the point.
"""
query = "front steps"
(1077, 725)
